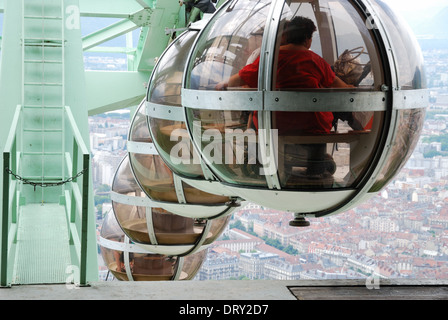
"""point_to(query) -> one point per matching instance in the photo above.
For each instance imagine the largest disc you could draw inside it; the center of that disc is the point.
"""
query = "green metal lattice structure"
(48, 232)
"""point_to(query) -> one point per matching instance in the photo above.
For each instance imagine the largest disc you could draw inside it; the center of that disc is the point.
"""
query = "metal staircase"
(43, 48)
(45, 227)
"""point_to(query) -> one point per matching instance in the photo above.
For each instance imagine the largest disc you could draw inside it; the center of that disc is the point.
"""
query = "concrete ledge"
(179, 290)
(260, 290)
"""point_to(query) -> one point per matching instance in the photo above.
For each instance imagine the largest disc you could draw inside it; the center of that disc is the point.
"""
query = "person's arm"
(234, 81)
(338, 83)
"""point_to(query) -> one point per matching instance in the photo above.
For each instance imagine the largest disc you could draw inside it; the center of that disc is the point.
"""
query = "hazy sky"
(416, 6)
(416, 12)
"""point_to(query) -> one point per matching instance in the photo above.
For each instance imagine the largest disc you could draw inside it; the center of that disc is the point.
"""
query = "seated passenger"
(297, 68)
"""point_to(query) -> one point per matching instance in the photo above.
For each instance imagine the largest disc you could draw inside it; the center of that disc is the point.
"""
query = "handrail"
(12, 132)
(9, 153)
(77, 211)
(76, 132)
(78, 143)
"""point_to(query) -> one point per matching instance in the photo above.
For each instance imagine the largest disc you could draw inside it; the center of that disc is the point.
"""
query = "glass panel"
(171, 137)
(153, 267)
(111, 230)
(172, 229)
(411, 71)
(144, 266)
(166, 83)
(217, 228)
(338, 159)
(316, 43)
(113, 259)
(324, 46)
(192, 265)
(175, 147)
(139, 131)
(194, 195)
(168, 228)
(225, 48)
(132, 219)
(408, 133)
(229, 143)
(154, 176)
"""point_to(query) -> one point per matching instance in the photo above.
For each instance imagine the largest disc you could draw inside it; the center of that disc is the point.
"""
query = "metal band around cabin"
(165, 112)
(310, 101)
(222, 100)
(410, 99)
(142, 148)
(121, 246)
(131, 200)
(325, 101)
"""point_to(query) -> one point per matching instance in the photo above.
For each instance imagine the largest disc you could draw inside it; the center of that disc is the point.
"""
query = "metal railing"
(9, 204)
(78, 212)
(76, 197)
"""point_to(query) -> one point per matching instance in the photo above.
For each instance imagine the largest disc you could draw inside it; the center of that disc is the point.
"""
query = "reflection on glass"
(230, 144)
(171, 137)
(154, 176)
(341, 41)
(217, 228)
(166, 82)
(166, 228)
(225, 49)
(410, 63)
(192, 264)
(175, 147)
(410, 125)
(142, 266)
(334, 160)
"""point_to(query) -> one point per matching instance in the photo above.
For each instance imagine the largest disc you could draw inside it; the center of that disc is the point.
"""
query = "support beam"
(110, 91)
(115, 30)
(166, 14)
(108, 9)
(146, 3)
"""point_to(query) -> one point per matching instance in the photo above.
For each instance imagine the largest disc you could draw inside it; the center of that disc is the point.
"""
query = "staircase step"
(43, 250)
(44, 61)
(42, 17)
(44, 84)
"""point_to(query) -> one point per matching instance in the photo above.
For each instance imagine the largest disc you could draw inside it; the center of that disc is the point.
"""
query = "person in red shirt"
(297, 68)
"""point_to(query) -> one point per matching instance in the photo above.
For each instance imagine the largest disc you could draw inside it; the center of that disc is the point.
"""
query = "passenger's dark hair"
(299, 29)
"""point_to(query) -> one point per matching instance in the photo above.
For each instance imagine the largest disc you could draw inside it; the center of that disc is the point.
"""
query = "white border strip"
(222, 100)
(121, 246)
(411, 99)
(165, 112)
(133, 201)
(142, 148)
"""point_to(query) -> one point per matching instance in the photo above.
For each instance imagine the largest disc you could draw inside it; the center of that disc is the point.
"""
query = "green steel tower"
(48, 233)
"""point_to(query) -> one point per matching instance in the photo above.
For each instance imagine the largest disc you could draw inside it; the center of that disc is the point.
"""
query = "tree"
(238, 225)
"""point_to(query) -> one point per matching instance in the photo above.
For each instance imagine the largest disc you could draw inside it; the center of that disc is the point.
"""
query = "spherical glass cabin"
(128, 262)
(166, 117)
(155, 229)
(163, 187)
(306, 106)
